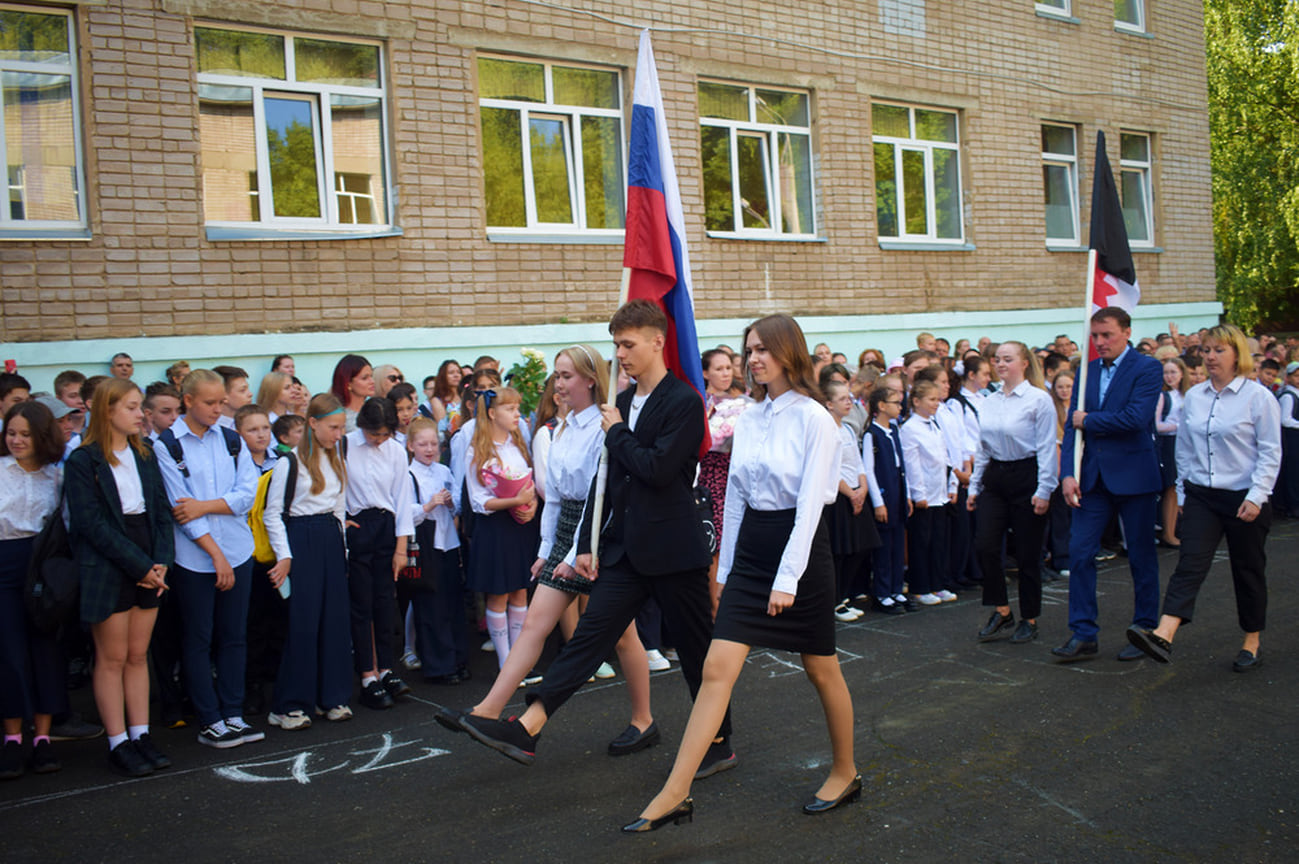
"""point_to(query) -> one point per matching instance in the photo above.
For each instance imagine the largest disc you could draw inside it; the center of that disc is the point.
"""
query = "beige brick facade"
(150, 270)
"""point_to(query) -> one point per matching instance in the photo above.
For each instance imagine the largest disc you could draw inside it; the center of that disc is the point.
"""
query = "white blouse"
(1168, 425)
(27, 498)
(851, 467)
(571, 464)
(377, 480)
(432, 479)
(924, 453)
(508, 455)
(126, 474)
(785, 456)
(1018, 425)
(330, 499)
(1230, 439)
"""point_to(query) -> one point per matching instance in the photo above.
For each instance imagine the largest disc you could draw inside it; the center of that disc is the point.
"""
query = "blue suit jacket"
(1119, 433)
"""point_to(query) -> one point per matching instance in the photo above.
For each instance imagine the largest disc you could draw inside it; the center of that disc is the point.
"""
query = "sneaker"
(43, 759)
(489, 646)
(945, 595)
(411, 661)
(145, 747)
(11, 761)
(396, 687)
(290, 721)
(657, 662)
(504, 736)
(605, 671)
(127, 760)
(534, 677)
(338, 714)
(1064, 573)
(928, 599)
(1105, 555)
(845, 613)
(375, 697)
(220, 736)
(671, 654)
(75, 729)
(720, 757)
(247, 732)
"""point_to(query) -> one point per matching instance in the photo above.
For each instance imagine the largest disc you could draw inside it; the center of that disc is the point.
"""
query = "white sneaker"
(1064, 573)
(928, 599)
(657, 662)
(671, 654)
(845, 614)
(288, 722)
(489, 646)
(411, 661)
(945, 595)
(605, 671)
(339, 713)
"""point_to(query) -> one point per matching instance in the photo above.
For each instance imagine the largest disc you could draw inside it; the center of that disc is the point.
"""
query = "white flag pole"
(1086, 361)
(602, 473)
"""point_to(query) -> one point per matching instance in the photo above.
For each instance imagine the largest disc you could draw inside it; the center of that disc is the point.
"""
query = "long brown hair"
(272, 390)
(784, 340)
(107, 395)
(309, 450)
(483, 442)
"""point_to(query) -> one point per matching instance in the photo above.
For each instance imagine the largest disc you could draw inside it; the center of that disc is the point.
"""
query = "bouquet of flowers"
(505, 482)
(529, 378)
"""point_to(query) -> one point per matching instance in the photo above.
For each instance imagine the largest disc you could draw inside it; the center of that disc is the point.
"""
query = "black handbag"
(53, 579)
(704, 506)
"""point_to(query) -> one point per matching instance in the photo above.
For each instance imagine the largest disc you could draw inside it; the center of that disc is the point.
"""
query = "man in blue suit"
(1120, 473)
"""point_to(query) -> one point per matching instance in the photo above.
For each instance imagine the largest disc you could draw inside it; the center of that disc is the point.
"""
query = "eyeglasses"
(395, 379)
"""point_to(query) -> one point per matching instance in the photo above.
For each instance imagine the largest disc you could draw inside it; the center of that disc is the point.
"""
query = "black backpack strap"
(415, 483)
(233, 442)
(290, 483)
(168, 439)
(342, 446)
(425, 411)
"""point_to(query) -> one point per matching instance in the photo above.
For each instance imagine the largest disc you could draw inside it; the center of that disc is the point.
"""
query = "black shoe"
(1074, 650)
(450, 718)
(678, 815)
(847, 796)
(1026, 632)
(397, 688)
(503, 736)
(909, 604)
(632, 740)
(373, 695)
(75, 729)
(43, 759)
(533, 677)
(720, 757)
(1247, 662)
(891, 608)
(1130, 653)
(11, 761)
(155, 757)
(222, 737)
(1155, 647)
(464, 674)
(450, 680)
(126, 759)
(997, 626)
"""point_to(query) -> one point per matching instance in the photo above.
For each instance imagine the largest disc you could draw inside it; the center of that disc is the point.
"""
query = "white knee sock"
(516, 614)
(410, 629)
(498, 629)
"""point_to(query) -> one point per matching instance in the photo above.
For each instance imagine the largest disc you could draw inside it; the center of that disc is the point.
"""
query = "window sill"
(1157, 250)
(38, 234)
(924, 246)
(1065, 247)
(766, 238)
(1129, 30)
(553, 238)
(1057, 16)
(219, 233)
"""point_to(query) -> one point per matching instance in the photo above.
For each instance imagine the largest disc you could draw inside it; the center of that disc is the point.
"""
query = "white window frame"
(1070, 163)
(322, 128)
(1138, 26)
(913, 144)
(770, 135)
(571, 115)
(1146, 170)
(27, 229)
(1051, 10)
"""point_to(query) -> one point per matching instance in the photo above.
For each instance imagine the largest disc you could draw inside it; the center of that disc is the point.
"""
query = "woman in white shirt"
(1168, 414)
(1228, 457)
(1015, 470)
(775, 563)
(307, 536)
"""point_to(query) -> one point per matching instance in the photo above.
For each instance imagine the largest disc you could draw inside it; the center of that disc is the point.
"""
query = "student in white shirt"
(775, 563)
(211, 490)
(266, 610)
(1287, 487)
(1168, 415)
(378, 522)
(1228, 456)
(315, 667)
(953, 419)
(238, 393)
(481, 381)
(402, 397)
(1015, 471)
(931, 486)
(852, 528)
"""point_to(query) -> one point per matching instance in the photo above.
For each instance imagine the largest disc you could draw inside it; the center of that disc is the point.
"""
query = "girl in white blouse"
(775, 563)
(931, 485)
(307, 536)
(1168, 415)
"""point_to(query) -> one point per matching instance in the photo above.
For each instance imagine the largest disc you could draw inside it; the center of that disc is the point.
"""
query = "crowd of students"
(307, 544)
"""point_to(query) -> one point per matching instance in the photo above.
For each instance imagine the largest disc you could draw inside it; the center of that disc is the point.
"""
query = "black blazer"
(97, 529)
(650, 517)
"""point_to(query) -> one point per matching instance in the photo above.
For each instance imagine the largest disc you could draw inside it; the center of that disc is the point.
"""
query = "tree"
(1253, 75)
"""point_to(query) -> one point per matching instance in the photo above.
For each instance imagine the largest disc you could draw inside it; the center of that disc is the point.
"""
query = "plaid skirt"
(570, 515)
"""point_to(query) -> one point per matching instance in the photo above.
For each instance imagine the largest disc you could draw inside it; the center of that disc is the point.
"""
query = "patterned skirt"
(713, 470)
(570, 515)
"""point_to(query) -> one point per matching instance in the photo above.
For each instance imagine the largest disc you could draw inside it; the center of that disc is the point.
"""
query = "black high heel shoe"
(847, 796)
(680, 814)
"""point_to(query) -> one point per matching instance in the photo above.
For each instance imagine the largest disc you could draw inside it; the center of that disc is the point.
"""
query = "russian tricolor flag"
(655, 251)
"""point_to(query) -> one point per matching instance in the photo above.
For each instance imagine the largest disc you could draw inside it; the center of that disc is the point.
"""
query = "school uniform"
(784, 473)
(966, 572)
(571, 466)
(952, 419)
(315, 666)
(267, 619)
(211, 618)
(1287, 486)
(929, 479)
(378, 500)
(441, 635)
(852, 535)
(500, 561)
(1016, 462)
(882, 458)
(1168, 415)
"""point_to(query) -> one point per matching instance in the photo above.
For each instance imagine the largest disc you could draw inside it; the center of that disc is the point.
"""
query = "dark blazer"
(1119, 435)
(650, 517)
(97, 529)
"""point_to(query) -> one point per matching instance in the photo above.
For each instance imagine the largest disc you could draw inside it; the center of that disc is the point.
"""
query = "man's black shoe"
(503, 736)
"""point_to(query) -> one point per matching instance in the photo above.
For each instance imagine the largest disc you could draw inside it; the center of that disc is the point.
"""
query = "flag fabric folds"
(1116, 277)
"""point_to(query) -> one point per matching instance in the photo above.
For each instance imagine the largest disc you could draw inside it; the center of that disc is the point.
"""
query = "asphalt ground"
(968, 752)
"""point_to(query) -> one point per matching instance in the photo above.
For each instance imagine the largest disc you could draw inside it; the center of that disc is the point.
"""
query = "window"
(1135, 190)
(552, 147)
(757, 156)
(293, 131)
(1055, 8)
(1130, 15)
(1060, 184)
(39, 128)
(917, 173)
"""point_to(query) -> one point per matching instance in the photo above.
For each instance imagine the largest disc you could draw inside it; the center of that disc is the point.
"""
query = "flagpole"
(602, 472)
(1086, 360)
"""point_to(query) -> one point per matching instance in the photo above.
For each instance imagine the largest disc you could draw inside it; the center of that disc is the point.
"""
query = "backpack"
(262, 551)
(53, 588)
(168, 439)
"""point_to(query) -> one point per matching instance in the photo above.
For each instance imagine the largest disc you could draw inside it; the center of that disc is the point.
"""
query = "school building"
(420, 179)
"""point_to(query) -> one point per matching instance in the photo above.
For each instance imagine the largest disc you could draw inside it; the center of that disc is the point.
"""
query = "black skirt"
(1167, 447)
(570, 517)
(130, 595)
(851, 533)
(500, 559)
(807, 627)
